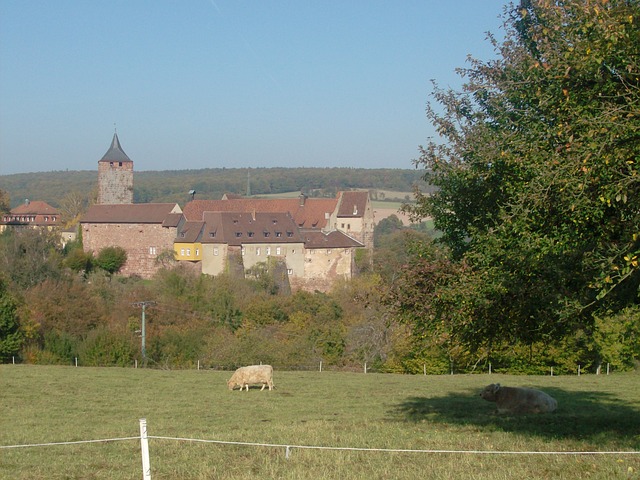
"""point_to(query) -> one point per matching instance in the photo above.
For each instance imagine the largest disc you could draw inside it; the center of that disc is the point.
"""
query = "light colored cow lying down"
(252, 375)
(518, 399)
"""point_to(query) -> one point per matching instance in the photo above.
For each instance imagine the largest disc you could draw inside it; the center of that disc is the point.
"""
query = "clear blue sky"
(228, 83)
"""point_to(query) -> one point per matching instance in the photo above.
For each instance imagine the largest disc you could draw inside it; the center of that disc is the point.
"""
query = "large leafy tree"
(538, 177)
(29, 256)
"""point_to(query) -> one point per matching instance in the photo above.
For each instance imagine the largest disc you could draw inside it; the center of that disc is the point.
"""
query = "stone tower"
(115, 176)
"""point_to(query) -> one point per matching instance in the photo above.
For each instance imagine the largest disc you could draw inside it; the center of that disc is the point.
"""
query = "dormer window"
(212, 234)
(278, 234)
(355, 209)
(289, 234)
(182, 234)
(238, 234)
(250, 234)
(266, 234)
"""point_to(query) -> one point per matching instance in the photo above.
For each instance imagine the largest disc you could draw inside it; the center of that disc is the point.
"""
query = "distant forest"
(212, 183)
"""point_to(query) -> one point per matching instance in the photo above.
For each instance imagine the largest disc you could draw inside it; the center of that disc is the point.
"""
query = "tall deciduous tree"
(11, 338)
(538, 176)
(29, 256)
(5, 203)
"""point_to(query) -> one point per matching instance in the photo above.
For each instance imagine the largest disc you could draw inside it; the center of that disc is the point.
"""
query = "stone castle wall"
(142, 242)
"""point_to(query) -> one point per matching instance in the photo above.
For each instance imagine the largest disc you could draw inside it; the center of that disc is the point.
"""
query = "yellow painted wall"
(188, 251)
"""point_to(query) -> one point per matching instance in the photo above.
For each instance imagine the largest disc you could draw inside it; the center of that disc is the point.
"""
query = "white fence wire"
(288, 448)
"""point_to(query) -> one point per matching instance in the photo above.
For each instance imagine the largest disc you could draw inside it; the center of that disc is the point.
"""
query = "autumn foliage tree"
(538, 179)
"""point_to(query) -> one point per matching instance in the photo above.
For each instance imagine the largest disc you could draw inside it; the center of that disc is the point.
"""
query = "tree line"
(60, 189)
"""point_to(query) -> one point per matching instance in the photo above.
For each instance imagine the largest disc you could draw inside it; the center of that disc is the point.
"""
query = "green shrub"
(103, 347)
(60, 348)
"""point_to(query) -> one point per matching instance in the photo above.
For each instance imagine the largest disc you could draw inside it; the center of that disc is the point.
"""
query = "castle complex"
(313, 239)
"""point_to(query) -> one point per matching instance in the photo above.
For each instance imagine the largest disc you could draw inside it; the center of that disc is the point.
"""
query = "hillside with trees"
(174, 186)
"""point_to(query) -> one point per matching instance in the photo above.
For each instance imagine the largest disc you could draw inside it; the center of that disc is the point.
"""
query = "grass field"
(41, 404)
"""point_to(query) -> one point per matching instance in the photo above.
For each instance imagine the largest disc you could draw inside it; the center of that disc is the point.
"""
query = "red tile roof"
(35, 207)
(130, 213)
(312, 213)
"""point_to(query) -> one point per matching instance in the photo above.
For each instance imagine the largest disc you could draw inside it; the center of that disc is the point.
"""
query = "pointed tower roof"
(115, 152)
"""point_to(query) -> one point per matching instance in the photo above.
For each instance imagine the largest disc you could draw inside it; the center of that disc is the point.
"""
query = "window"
(289, 234)
(238, 234)
(267, 251)
(278, 251)
(278, 234)
(182, 234)
(197, 252)
(188, 252)
(289, 271)
(215, 251)
(258, 251)
(212, 234)
(328, 251)
(243, 251)
(152, 250)
(250, 234)
(342, 226)
(182, 252)
(266, 234)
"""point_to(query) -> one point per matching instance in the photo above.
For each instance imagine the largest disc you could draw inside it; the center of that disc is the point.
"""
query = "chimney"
(26, 201)
(302, 198)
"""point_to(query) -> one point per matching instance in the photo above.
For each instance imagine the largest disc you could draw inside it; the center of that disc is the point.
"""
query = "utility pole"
(143, 329)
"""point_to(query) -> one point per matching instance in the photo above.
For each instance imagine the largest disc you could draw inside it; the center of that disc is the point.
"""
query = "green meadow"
(383, 414)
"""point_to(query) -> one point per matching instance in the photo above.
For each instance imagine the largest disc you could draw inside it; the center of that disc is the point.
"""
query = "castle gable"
(352, 204)
(335, 239)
